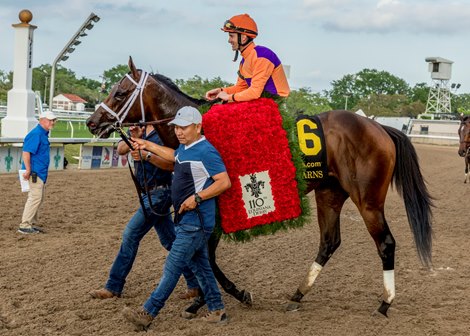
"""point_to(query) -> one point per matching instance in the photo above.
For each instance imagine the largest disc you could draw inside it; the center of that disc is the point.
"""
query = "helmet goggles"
(230, 27)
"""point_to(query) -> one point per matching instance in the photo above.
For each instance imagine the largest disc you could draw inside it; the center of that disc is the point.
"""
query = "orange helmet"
(242, 24)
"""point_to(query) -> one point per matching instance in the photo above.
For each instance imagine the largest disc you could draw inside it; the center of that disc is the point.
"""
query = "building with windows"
(68, 101)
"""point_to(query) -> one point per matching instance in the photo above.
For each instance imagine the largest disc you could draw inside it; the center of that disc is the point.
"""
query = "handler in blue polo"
(153, 177)
(199, 176)
(36, 158)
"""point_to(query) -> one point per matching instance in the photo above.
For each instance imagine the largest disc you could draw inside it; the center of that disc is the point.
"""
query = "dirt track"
(44, 278)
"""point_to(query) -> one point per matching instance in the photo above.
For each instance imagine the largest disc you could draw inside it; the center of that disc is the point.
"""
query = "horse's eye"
(120, 95)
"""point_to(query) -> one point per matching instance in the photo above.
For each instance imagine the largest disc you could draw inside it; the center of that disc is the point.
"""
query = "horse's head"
(125, 103)
(464, 135)
(139, 97)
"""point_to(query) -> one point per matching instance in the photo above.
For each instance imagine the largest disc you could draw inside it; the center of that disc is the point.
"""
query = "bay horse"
(464, 146)
(363, 159)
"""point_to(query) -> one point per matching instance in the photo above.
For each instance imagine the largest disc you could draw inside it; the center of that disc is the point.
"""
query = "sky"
(321, 40)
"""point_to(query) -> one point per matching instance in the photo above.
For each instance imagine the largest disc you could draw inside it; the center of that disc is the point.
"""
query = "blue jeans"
(136, 229)
(189, 248)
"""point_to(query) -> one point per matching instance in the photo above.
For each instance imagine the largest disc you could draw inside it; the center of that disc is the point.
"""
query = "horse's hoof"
(247, 298)
(293, 306)
(188, 315)
(383, 309)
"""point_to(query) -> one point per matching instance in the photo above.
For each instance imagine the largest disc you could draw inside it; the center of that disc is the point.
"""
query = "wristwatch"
(147, 157)
(197, 198)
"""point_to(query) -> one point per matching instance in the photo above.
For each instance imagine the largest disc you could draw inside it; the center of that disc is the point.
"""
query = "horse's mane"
(172, 86)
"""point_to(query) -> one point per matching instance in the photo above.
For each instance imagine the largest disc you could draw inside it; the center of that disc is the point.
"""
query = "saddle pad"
(312, 145)
(254, 146)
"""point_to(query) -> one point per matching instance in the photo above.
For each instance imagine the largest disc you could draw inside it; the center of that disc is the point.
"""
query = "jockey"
(260, 69)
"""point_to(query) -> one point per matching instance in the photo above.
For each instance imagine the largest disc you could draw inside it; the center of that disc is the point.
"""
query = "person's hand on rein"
(138, 143)
(136, 131)
(138, 154)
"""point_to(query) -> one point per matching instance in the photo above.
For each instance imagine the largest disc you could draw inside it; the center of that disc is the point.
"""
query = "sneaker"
(189, 294)
(40, 229)
(140, 318)
(103, 294)
(216, 316)
(28, 231)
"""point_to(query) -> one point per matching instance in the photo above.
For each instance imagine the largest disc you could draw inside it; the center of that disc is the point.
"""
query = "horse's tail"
(411, 186)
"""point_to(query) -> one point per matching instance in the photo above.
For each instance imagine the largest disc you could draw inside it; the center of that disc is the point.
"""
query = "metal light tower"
(439, 94)
(68, 49)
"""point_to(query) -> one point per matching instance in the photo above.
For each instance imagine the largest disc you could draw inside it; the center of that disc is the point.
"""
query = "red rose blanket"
(254, 147)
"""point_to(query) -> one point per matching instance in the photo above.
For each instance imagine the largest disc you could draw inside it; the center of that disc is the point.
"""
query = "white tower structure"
(439, 93)
(20, 106)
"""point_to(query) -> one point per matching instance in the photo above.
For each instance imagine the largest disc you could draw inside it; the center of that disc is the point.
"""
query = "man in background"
(36, 157)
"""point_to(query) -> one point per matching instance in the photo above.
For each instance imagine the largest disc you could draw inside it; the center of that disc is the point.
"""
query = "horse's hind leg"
(385, 243)
(329, 204)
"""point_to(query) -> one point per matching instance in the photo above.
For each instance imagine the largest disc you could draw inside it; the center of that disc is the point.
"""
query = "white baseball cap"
(48, 115)
(186, 116)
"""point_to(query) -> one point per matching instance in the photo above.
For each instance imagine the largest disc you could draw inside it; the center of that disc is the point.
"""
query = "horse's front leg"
(467, 176)
(329, 205)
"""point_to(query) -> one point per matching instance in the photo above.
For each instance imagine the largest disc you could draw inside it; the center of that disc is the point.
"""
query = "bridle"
(121, 115)
(462, 137)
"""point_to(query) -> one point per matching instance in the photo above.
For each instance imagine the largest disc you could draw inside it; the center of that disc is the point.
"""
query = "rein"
(145, 123)
(146, 191)
(120, 116)
(137, 185)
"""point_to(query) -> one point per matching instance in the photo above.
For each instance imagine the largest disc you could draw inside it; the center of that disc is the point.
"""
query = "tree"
(461, 103)
(396, 105)
(112, 76)
(305, 101)
(363, 84)
(6, 82)
(197, 87)
(420, 92)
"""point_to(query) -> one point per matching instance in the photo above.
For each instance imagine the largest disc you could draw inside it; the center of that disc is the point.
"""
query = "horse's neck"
(168, 101)
(164, 105)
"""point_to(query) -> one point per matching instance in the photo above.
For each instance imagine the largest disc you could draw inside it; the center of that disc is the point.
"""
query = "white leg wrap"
(313, 272)
(389, 286)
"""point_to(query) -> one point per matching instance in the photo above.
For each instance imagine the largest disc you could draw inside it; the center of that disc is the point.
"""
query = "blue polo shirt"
(153, 175)
(37, 144)
(194, 166)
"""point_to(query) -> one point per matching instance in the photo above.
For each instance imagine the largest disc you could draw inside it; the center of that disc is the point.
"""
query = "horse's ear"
(133, 69)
